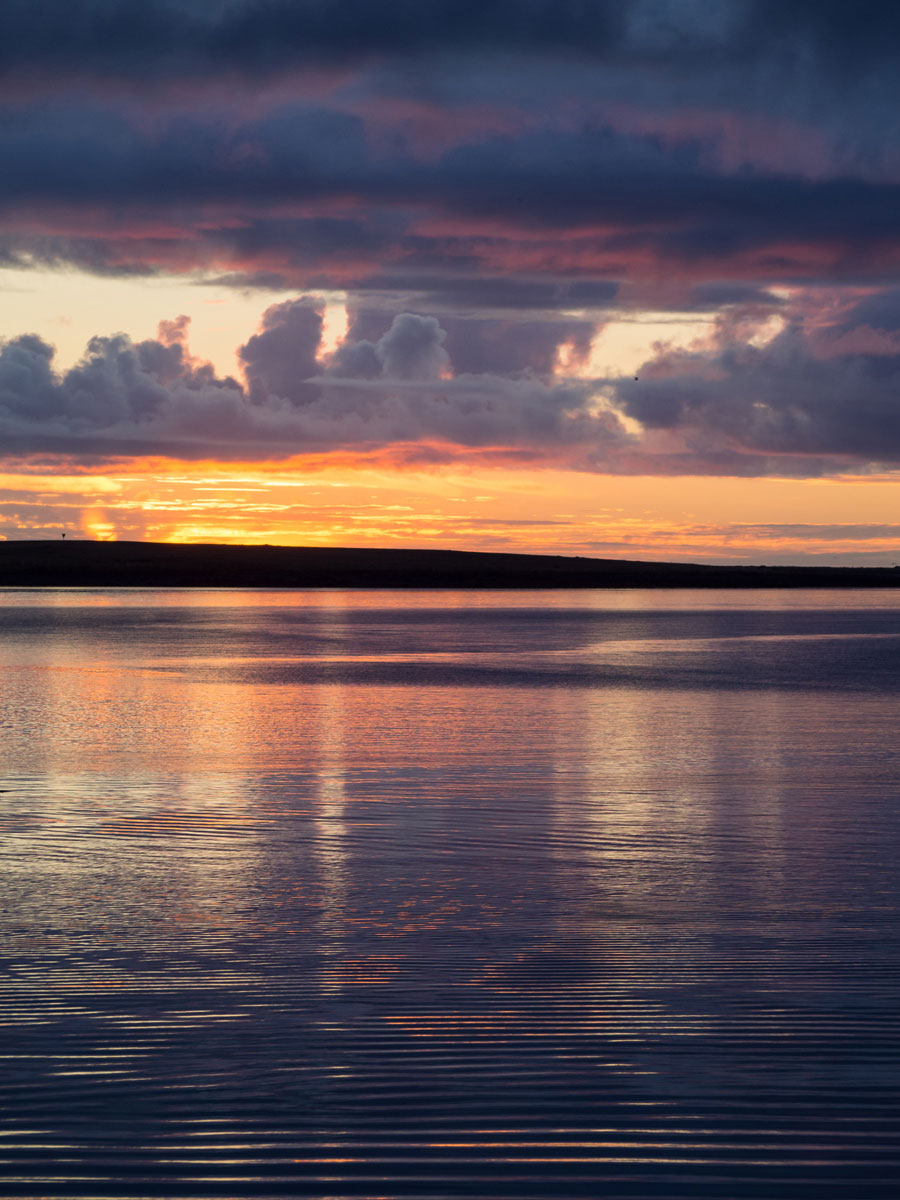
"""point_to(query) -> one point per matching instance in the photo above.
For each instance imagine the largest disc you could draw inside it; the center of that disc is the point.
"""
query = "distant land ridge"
(164, 565)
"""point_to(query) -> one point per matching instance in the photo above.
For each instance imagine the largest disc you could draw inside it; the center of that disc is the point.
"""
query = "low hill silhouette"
(154, 564)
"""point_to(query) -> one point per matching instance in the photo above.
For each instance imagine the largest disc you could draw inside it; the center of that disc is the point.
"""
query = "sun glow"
(332, 502)
(335, 323)
(621, 347)
(95, 524)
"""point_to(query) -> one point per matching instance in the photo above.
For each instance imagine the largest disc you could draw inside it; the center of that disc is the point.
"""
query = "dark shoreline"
(155, 564)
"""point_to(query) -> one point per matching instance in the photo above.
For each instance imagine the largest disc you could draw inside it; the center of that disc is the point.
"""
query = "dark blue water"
(442, 894)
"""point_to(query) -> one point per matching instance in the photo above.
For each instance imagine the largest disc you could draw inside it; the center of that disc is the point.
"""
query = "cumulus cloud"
(152, 397)
(791, 406)
(411, 349)
(499, 345)
(280, 358)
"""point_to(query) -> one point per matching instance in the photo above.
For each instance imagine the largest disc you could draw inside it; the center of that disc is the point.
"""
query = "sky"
(614, 278)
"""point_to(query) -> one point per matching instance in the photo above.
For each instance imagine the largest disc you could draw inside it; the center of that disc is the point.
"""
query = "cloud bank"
(548, 151)
(797, 404)
(152, 398)
(487, 184)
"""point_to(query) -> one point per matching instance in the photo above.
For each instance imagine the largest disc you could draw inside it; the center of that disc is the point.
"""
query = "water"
(441, 894)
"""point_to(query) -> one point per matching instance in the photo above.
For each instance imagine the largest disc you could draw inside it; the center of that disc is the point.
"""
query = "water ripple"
(306, 901)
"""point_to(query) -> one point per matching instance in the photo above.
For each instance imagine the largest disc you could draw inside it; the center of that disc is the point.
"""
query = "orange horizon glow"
(425, 494)
(354, 500)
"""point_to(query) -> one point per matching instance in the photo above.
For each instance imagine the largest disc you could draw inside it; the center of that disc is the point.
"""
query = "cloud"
(848, 37)
(548, 218)
(502, 346)
(404, 379)
(185, 37)
(456, 157)
(786, 398)
(472, 293)
(411, 349)
(131, 399)
(498, 345)
(720, 293)
(279, 358)
(189, 36)
(486, 183)
(793, 406)
(826, 533)
(879, 310)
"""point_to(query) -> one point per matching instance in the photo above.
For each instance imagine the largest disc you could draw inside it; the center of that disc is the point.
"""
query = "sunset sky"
(606, 278)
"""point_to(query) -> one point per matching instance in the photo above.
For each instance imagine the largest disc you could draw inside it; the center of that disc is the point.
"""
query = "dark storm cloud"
(459, 298)
(199, 192)
(851, 36)
(182, 37)
(546, 179)
(475, 293)
(83, 153)
(97, 255)
(878, 311)
(671, 204)
(515, 154)
(722, 294)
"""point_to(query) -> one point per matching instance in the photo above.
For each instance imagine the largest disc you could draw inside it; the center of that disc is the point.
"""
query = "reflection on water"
(426, 894)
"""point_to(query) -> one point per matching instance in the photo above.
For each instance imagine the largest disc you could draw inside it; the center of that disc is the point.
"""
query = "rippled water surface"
(442, 894)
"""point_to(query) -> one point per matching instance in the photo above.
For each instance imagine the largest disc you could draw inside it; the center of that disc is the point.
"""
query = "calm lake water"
(570, 894)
